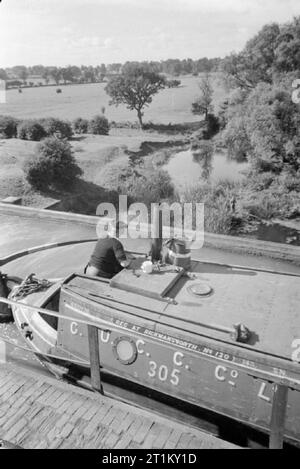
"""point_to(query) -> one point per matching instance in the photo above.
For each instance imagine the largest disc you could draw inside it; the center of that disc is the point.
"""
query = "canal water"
(189, 167)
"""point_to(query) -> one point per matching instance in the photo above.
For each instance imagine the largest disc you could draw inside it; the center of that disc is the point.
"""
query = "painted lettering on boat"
(261, 393)
(223, 374)
(196, 348)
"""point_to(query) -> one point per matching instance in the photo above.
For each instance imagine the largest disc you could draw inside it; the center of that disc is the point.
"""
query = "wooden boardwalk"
(41, 412)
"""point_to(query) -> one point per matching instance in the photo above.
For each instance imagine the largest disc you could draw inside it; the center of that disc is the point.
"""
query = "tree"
(135, 87)
(288, 49)
(53, 164)
(256, 61)
(3, 74)
(56, 74)
(67, 74)
(203, 103)
(46, 75)
(21, 72)
(37, 70)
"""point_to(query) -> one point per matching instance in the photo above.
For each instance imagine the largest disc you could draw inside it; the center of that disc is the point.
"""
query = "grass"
(93, 154)
(169, 106)
(104, 158)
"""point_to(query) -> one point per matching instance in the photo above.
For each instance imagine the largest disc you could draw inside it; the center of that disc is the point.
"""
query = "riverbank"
(137, 162)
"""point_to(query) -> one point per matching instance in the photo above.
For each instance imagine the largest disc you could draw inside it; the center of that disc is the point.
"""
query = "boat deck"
(261, 300)
(38, 411)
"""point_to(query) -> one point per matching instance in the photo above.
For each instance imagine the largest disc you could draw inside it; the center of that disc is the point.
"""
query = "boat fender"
(5, 310)
(241, 333)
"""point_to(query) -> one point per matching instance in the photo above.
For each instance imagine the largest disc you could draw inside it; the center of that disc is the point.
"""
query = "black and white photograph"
(149, 227)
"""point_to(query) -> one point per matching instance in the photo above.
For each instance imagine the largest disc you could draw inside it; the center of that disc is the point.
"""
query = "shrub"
(31, 130)
(213, 125)
(8, 127)
(260, 181)
(99, 125)
(235, 137)
(57, 128)
(151, 187)
(139, 185)
(218, 218)
(290, 182)
(53, 164)
(80, 125)
(173, 83)
(216, 197)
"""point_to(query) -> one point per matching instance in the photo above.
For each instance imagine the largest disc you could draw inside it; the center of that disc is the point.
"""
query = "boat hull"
(189, 368)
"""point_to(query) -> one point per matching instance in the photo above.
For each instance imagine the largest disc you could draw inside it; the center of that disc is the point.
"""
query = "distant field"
(170, 105)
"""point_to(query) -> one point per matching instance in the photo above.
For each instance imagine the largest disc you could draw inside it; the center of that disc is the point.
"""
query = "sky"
(91, 32)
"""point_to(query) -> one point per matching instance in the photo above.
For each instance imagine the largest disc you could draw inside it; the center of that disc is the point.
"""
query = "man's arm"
(121, 255)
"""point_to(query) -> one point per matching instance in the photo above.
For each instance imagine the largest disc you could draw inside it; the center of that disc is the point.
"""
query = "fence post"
(94, 358)
(280, 398)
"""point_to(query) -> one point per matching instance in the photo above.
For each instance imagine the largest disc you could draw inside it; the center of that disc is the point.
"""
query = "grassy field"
(92, 152)
(170, 105)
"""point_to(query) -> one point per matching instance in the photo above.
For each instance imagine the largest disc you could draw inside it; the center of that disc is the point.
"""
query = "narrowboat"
(218, 337)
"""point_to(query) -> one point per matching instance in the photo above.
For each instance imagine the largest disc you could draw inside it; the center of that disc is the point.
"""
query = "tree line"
(94, 74)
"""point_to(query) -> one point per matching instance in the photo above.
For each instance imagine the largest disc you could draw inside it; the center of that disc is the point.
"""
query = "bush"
(235, 137)
(57, 128)
(173, 83)
(151, 187)
(31, 130)
(8, 127)
(80, 125)
(213, 125)
(99, 125)
(140, 185)
(219, 217)
(53, 164)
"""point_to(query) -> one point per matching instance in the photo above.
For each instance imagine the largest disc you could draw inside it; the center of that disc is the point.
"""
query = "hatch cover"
(200, 289)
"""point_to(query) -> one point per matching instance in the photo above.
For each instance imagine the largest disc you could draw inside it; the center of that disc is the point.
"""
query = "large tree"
(135, 87)
(255, 63)
(203, 104)
(56, 74)
(21, 72)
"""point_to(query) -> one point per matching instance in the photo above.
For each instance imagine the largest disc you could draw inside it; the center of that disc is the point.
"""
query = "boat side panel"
(176, 371)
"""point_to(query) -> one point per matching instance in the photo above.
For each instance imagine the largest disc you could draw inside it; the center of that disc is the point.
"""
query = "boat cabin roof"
(209, 295)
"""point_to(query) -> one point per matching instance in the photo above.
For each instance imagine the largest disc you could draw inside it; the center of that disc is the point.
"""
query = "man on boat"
(109, 257)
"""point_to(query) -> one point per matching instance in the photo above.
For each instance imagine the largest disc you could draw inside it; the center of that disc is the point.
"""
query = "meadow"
(170, 105)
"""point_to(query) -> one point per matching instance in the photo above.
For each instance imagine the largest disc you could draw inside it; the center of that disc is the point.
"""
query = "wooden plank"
(280, 398)
(95, 358)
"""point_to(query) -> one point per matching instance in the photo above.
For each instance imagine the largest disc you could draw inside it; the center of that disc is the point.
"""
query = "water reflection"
(204, 163)
(204, 157)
